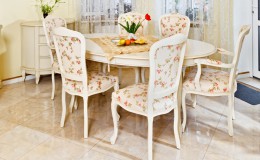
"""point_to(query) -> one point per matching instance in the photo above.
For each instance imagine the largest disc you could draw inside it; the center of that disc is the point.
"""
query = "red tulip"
(147, 17)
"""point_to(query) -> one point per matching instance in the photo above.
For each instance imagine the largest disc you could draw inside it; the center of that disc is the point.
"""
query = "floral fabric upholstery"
(96, 83)
(51, 24)
(133, 18)
(174, 24)
(55, 64)
(135, 98)
(70, 49)
(211, 81)
(166, 65)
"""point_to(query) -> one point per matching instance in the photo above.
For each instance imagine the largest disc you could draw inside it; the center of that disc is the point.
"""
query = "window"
(196, 10)
(102, 15)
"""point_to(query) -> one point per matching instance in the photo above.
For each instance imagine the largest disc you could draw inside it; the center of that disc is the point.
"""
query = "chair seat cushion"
(211, 81)
(97, 82)
(134, 98)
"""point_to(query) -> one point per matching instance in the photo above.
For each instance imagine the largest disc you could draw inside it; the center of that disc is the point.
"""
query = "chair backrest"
(171, 24)
(243, 32)
(49, 24)
(135, 17)
(166, 60)
(71, 48)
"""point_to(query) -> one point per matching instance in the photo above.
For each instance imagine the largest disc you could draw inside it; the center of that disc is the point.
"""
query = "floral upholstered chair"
(142, 30)
(171, 24)
(212, 82)
(49, 24)
(160, 95)
(71, 48)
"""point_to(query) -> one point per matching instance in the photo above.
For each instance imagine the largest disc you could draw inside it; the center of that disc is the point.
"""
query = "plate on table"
(116, 41)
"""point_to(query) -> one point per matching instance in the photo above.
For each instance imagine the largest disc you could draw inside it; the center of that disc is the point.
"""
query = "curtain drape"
(100, 16)
(211, 20)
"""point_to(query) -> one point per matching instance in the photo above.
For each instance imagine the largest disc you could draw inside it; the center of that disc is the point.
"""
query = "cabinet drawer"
(42, 39)
(44, 50)
(41, 32)
(45, 63)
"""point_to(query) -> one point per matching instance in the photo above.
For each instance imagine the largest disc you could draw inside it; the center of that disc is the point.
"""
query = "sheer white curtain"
(100, 16)
(211, 20)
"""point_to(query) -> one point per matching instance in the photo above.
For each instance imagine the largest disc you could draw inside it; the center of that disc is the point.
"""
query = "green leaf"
(137, 26)
(127, 29)
(127, 25)
(132, 28)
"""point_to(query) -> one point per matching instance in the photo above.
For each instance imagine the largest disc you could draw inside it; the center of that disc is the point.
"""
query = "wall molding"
(243, 75)
(16, 80)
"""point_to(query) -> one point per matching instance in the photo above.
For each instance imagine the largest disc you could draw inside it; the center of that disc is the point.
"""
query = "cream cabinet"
(2, 49)
(35, 55)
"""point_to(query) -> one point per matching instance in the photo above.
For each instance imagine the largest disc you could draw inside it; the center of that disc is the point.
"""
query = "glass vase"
(132, 36)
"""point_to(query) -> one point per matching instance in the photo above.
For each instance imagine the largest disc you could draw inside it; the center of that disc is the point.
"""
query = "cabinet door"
(28, 43)
(45, 63)
(44, 51)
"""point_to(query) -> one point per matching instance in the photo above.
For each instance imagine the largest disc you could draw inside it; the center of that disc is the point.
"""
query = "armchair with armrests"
(213, 82)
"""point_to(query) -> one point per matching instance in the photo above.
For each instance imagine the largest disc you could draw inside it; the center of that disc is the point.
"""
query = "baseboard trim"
(243, 75)
(16, 79)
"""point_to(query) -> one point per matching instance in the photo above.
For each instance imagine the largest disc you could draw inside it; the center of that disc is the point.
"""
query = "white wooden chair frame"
(160, 35)
(173, 40)
(231, 85)
(51, 50)
(83, 78)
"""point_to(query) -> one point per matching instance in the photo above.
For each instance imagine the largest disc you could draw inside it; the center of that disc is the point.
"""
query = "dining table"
(94, 52)
(195, 49)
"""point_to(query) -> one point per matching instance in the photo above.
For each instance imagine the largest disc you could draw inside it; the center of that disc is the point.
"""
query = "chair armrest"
(212, 62)
(225, 52)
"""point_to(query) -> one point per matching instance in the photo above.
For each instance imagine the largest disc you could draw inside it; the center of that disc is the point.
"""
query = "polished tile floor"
(29, 128)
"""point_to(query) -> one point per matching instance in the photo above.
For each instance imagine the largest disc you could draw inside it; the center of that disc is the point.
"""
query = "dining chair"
(49, 24)
(70, 48)
(160, 95)
(213, 82)
(142, 30)
(171, 24)
(174, 23)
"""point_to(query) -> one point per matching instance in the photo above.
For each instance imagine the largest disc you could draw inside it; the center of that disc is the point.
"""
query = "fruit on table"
(140, 41)
(122, 42)
(132, 40)
(127, 42)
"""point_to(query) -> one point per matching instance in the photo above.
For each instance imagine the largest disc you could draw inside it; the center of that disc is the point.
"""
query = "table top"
(195, 49)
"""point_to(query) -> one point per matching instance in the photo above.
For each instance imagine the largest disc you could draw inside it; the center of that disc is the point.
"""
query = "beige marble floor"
(29, 129)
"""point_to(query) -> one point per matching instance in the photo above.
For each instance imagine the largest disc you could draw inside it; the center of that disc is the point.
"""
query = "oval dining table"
(195, 49)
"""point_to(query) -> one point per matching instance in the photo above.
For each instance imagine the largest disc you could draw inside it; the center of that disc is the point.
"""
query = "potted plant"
(131, 27)
(47, 7)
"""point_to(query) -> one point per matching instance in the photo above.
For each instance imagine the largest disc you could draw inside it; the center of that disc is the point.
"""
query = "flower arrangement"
(133, 27)
(48, 7)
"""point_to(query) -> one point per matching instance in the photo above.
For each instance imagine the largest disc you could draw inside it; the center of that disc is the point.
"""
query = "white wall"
(12, 13)
(243, 16)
